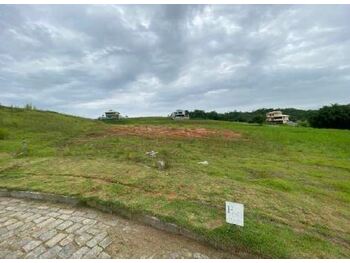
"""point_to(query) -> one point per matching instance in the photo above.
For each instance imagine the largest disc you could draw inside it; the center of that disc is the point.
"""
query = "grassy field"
(293, 181)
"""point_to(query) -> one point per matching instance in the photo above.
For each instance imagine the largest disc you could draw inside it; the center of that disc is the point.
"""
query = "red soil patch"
(161, 131)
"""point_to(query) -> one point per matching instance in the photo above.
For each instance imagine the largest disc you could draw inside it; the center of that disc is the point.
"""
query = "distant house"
(110, 115)
(277, 117)
(180, 115)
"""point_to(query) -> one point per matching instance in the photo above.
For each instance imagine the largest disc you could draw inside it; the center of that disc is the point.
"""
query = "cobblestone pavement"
(35, 229)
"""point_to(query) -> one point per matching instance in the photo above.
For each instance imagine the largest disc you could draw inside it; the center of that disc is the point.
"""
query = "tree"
(260, 119)
(334, 116)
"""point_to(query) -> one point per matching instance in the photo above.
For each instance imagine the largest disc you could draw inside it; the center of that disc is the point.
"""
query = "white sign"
(234, 213)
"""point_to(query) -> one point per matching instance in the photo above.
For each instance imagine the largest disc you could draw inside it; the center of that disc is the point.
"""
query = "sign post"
(235, 213)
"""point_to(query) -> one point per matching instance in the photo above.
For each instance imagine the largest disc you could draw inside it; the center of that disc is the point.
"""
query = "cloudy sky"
(153, 59)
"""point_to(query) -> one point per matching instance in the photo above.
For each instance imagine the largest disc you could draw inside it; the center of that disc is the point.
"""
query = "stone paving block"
(66, 211)
(43, 207)
(40, 219)
(32, 218)
(38, 211)
(97, 239)
(94, 252)
(3, 230)
(93, 230)
(89, 221)
(10, 214)
(64, 225)
(14, 254)
(82, 239)
(67, 240)
(36, 252)
(27, 215)
(39, 232)
(46, 222)
(9, 222)
(22, 213)
(83, 229)
(4, 252)
(52, 252)
(91, 215)
(64, 217)
(53, 214)
(15, 225)
(53, 209)
(8, 234)
(31, 245)
(104, 255)
(7, 242)
(81, 252)
(24, 227)
(53, 241)
(79, 213)
(3, 219)
(48, 234)
(67, 251)
(105, 242)
(74, 228)
(54, 223)
(15, 215)
(77, 219)
(24, 241)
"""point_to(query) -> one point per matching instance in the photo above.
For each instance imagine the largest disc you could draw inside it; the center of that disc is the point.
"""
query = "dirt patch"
(161, 131)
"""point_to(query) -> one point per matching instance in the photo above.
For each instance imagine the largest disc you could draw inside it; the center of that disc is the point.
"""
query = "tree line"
(334, 116)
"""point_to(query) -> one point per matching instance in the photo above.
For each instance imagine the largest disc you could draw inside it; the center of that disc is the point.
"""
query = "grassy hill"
(293, 181)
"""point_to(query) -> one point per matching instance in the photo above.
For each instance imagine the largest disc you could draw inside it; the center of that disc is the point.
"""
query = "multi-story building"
(277, 117)
(180, 114)
(110, 115)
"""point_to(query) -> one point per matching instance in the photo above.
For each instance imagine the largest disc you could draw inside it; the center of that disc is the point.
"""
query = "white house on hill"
(277, 117)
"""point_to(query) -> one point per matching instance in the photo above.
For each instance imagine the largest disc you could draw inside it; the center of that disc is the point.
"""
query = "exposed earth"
(35, 229)
(161, 131)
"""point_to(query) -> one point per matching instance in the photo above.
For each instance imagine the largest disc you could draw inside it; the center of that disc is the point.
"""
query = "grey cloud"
(152, 59)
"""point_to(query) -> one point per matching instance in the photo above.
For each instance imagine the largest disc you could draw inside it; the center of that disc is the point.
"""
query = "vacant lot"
(294, 182)
(167, 132)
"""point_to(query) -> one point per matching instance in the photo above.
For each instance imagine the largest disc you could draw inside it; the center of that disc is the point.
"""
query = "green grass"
(293, 181)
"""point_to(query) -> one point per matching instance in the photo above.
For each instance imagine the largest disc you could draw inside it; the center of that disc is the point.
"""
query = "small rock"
(152, 154)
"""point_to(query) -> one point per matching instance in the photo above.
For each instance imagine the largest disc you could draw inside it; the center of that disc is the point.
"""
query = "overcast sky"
(152, 59)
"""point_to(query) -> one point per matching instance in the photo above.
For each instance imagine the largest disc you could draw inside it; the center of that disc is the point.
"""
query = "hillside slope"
(294, 182)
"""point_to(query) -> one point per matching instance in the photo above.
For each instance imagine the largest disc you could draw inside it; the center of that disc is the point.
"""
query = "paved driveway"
(34, 229)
